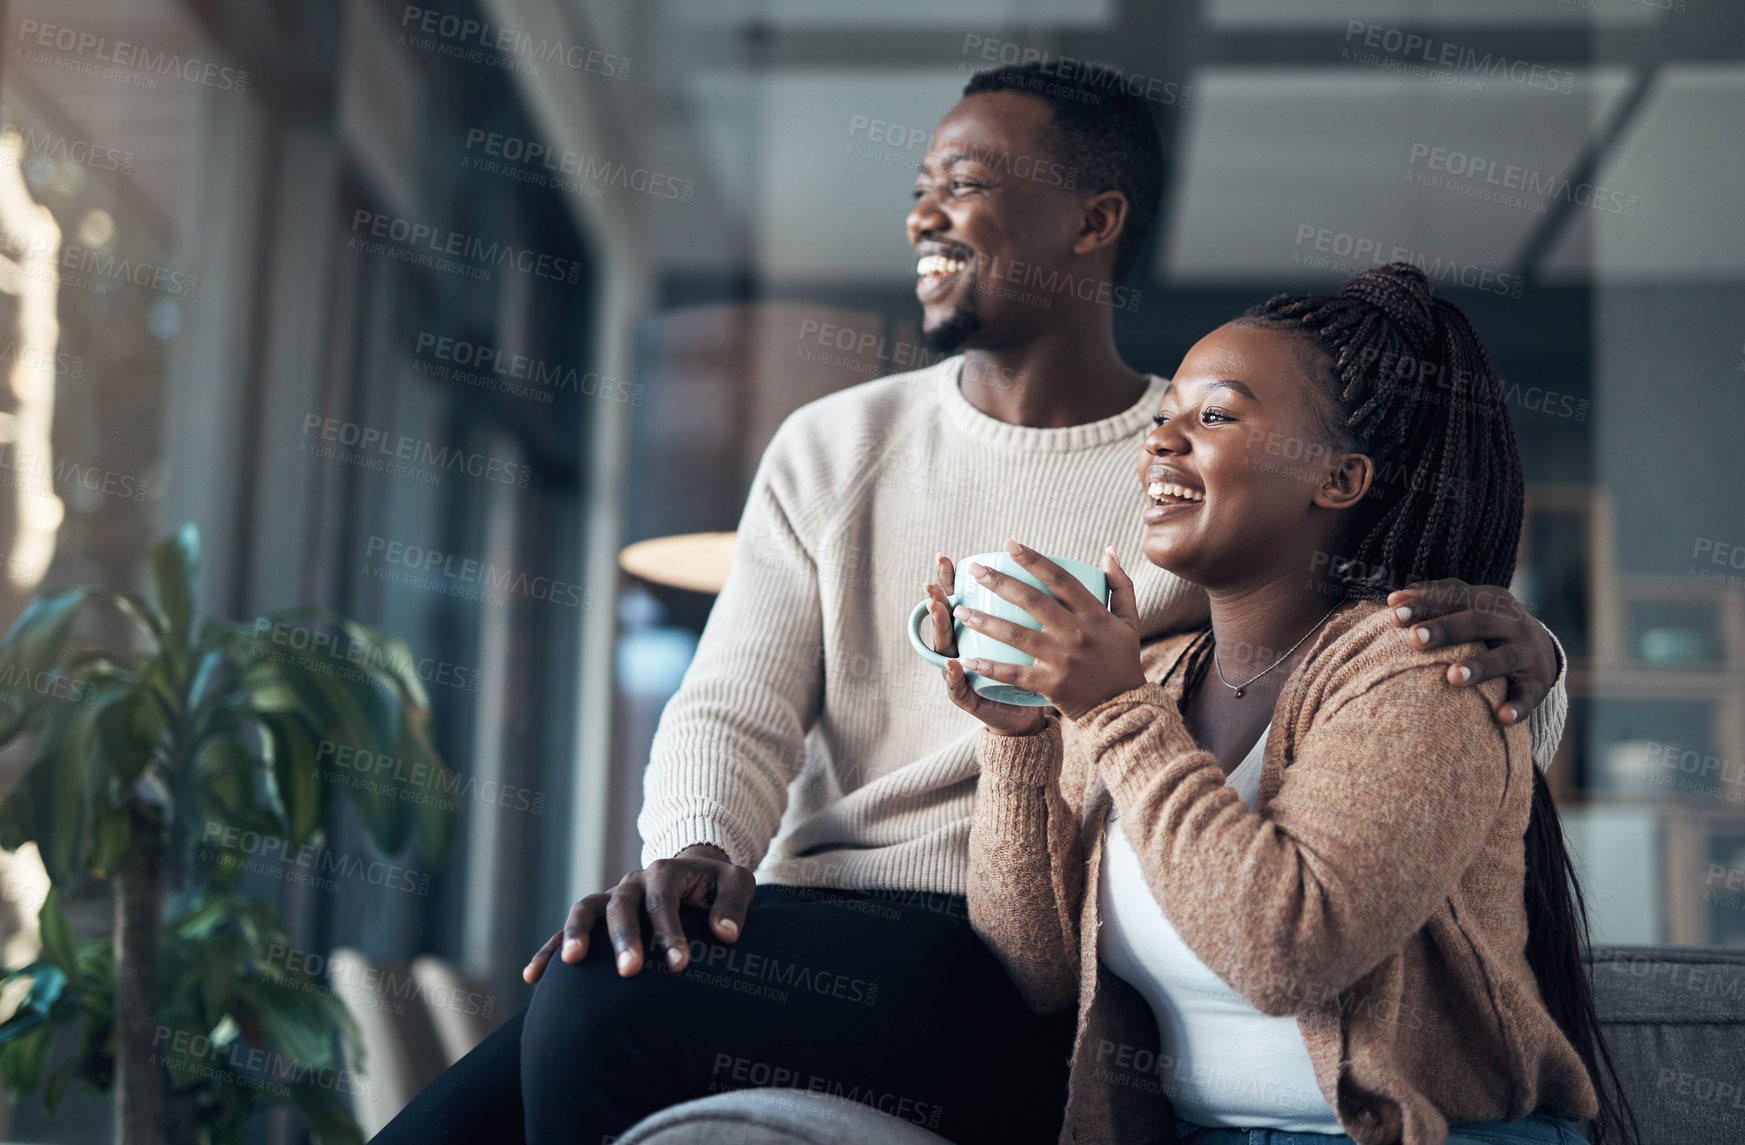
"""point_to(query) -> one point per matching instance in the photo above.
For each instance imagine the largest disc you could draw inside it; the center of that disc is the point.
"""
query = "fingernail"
(674, 956)
(1423, 635)
(1465, 674)
(728, 927)
(569, 945)
(977, 570)
(1403, 612)
(960, 612)
(625, 959)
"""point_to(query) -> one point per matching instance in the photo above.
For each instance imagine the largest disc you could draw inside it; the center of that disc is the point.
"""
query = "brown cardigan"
(1376, 893)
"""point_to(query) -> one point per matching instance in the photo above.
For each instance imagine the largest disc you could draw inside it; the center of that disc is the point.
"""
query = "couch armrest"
(775, 1117)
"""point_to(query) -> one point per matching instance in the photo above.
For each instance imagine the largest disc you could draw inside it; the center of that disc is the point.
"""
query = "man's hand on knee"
(700, 877)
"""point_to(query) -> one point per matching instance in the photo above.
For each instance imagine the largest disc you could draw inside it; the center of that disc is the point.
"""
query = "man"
(809, 742)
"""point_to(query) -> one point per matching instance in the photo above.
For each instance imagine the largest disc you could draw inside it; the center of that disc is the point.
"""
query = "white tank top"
(1224, 1063)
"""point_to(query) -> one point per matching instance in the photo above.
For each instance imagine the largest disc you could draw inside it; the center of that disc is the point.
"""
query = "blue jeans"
(1538, 1129)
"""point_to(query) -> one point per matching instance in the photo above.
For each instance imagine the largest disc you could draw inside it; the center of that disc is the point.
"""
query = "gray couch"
(1674, 1018)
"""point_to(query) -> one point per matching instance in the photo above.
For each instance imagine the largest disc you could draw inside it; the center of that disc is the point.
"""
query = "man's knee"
(586, 1010)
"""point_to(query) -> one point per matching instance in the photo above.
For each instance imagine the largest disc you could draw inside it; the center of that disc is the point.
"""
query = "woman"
(1338, 887)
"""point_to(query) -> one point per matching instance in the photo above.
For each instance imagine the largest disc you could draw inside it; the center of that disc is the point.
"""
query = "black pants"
(884, 998)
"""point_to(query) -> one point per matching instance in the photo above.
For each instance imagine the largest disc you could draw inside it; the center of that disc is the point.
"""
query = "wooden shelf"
(1632, 682)
(1684, 824)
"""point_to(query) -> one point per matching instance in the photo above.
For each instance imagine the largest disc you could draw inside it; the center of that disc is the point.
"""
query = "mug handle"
(915, 619)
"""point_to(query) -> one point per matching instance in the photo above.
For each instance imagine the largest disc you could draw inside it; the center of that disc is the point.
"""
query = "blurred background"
(273, 266)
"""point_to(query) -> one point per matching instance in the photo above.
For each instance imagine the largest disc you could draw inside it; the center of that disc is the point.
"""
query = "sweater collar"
(1130, 423)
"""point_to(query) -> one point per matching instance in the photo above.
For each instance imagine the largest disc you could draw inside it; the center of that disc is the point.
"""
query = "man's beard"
(949, 336)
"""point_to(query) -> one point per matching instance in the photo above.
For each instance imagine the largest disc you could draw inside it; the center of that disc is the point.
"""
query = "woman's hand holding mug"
(1083, 653)
(1004, 719)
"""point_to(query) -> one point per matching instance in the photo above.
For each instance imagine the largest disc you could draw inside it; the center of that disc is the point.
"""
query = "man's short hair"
(1109, 135)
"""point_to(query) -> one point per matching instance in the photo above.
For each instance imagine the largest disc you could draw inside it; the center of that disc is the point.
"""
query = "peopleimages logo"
(484, 575)
(562, 161)
(370, 442)
(80, 152)
(252, 1067)
(93, 270)
(1365, 252)
(1499, 178)
(465, 36)
(38, 359)
(422, 237)
(998, 53)
(903, 141)
(236, 848)
(34, 34)
(317, 648)
(35, 471)
(419, 781)
(465, 359)
(1418, 48)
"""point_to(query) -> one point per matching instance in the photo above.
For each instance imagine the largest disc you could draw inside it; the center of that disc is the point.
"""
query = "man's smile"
(938, 270)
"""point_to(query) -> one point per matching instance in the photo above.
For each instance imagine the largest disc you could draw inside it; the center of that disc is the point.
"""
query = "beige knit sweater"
(808, 736)
(1375, 893)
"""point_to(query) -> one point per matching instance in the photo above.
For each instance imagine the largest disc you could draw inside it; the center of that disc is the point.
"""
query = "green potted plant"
(161, 770)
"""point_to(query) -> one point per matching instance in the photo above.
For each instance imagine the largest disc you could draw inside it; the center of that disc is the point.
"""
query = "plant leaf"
(173, 563)
(135, 729)
(17, 818)
(47, 983)
(184, 1066)
(57, 935)
(327, 1116)
(265, 689)
(304, 799)
(56, 1087)
(22, 1058)
(226, 770)
(295, 1017)
(208, 911)
(60, 794)
(218, 979)
(111, 830)
(144, 617)
(436, 802)
(379, 653)
(364, 719)
(37, 638)
(32, 647)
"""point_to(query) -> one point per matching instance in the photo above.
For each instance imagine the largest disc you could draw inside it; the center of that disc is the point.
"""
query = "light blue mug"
(973, 645)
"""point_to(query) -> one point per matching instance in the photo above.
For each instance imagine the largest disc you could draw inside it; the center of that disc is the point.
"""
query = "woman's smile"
(1170, 493)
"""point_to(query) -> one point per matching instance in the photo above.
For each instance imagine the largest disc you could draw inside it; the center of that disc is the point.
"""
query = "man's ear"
(1346, 485)
(1100, 224)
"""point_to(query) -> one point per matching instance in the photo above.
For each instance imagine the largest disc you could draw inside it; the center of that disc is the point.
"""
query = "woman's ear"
(1348, 484)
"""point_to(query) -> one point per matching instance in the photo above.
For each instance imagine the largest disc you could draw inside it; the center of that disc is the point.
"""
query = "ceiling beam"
(1681, 38)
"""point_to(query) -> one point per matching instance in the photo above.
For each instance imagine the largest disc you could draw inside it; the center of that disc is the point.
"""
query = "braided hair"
(1405, 380)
